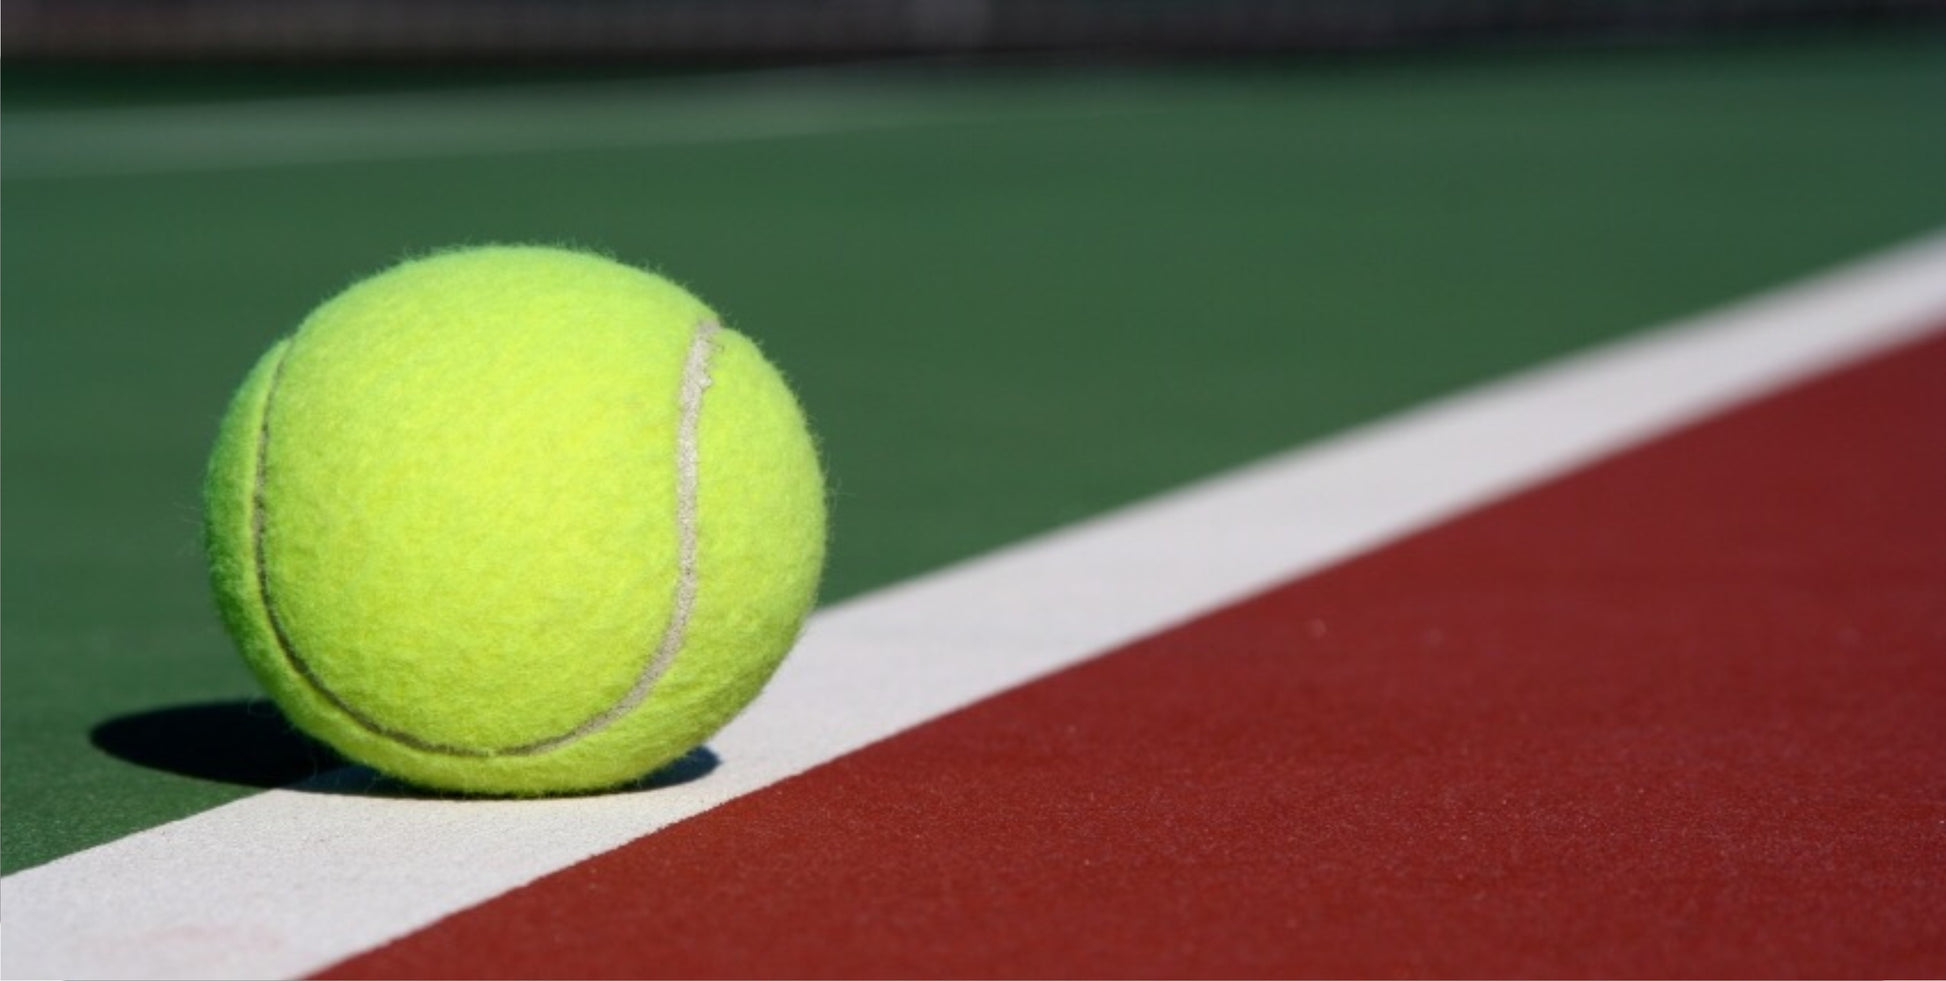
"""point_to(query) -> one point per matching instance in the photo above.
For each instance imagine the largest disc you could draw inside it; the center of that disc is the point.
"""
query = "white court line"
(44, 144)
(289, 881)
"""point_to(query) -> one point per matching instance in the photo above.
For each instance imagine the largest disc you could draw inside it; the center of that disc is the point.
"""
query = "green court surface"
(1010, 299)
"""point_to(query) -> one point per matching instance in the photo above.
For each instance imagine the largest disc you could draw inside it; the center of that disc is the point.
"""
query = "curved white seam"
(695, 380)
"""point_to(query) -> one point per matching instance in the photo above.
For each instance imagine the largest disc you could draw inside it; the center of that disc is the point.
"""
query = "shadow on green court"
(248, 742)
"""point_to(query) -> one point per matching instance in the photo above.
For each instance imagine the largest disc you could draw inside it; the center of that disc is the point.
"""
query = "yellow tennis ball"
(514, 520)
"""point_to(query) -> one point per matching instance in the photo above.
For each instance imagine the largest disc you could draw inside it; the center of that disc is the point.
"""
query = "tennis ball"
(514, 520)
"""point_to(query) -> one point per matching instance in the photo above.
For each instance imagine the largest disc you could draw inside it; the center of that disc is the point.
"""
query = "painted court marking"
(292, 880)
(56, 144)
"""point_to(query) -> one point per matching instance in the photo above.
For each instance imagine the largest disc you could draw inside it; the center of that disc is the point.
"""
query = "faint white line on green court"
(71, 143)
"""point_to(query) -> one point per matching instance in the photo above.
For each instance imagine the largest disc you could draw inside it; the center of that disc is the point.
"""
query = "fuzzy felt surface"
(443, 521)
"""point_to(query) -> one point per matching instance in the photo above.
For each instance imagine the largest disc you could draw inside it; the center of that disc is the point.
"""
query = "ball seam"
(695, 382)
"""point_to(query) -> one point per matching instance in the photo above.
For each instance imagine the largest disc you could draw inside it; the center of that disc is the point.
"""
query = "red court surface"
(1682, 713)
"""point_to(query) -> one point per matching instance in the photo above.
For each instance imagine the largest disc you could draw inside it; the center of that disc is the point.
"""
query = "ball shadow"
(248, 742)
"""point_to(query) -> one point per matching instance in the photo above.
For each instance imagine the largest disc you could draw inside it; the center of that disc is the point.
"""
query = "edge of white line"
(289, 881)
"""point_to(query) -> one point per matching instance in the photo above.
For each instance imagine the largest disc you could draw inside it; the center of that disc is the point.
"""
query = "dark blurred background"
(746, 31)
